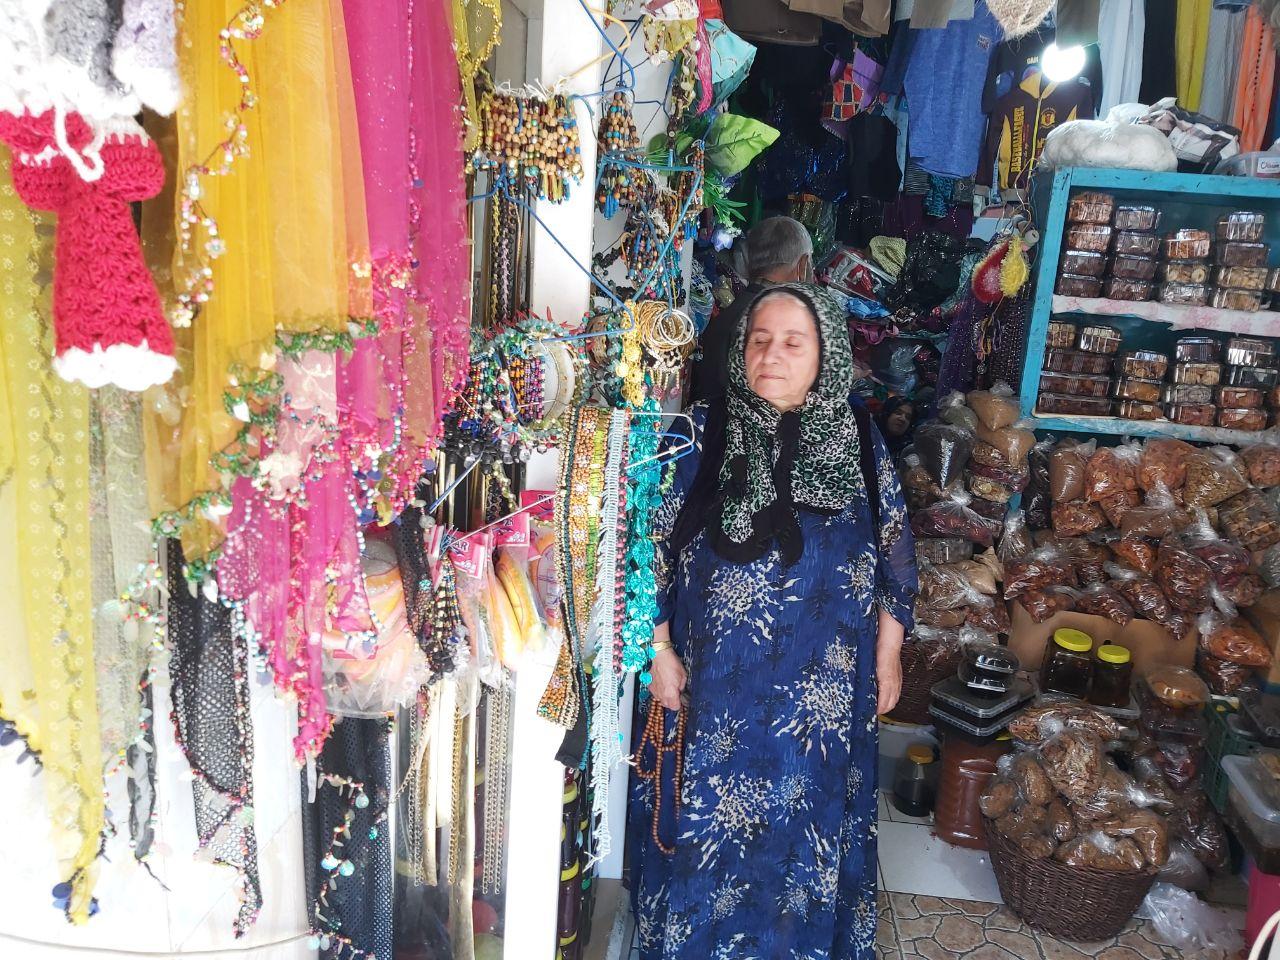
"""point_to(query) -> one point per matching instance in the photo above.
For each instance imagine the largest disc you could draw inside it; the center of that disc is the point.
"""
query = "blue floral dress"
(775, 837)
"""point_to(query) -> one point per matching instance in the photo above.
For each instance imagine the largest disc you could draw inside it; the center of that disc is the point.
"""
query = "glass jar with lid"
(1068, 666)
(1112, 671)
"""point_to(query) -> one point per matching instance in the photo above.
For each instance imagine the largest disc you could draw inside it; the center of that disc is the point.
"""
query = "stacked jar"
(1206, 392)
(1184, 267)
(1132, 271)
(1077, 365)
(1084, 261)
(1241, 277)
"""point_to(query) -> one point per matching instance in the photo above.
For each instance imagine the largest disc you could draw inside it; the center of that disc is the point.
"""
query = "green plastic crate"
(1222, 742)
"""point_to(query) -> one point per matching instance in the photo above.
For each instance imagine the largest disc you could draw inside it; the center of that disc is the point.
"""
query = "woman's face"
(899, 422)
(782, 352)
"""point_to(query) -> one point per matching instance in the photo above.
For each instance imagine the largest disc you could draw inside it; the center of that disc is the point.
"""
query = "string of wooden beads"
(530, 143)
(618, 139)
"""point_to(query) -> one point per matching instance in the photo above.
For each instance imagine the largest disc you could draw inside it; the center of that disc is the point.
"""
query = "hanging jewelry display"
(530, 144)
(348, 844)
(668, 338)
(507, 248)
(431, 607)
(497, 787)
(618, 146)
(610, 603)
(644, 475)
(209, 675)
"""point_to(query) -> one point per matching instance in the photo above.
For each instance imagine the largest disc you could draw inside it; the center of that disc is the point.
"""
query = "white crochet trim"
(157, 87)
(127, 366)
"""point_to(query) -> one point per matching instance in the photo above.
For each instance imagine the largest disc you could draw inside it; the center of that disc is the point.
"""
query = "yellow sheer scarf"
(289, 218)
(47, 684)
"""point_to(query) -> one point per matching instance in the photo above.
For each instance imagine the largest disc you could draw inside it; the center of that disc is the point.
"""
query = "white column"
(560, 43)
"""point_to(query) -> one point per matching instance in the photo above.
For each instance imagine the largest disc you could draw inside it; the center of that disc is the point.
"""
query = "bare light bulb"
(1062, 64)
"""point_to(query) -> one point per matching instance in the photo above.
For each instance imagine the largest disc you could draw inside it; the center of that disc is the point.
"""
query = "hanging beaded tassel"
(618, 144)
(530, 144)
(497, 787)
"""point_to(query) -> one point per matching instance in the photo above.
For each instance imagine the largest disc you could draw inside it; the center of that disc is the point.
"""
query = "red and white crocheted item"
(109, 324)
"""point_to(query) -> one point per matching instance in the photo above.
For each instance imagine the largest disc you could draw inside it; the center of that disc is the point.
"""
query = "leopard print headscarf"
(774, 463)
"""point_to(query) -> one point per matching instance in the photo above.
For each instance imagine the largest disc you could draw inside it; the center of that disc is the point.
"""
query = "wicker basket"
(919, 677)
(1073, 903)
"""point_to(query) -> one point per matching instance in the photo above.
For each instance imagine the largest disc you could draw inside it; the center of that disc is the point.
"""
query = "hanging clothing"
(945, 76)
(775, 852)
(1191, 38)
(1222, 64)
(1257, 81)
(1121, 26)
(1020, 121)
(1078, 22)
(1159, 79)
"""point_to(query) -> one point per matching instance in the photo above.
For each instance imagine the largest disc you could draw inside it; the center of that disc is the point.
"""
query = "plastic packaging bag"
(995, 408)
(1135, 553)
(989, 615)
(1223, 677)
(1227, 561)
(1144, 594)
(953, 517)
(942, 587)
(944, 450)
(1182, 869)
(1075, 518)
(1099, 852)
(1232, 640)
(1013, 442)
(1263, 463)
(976, 574)
(1158, 516)
(1015, 542)
(1147, 829)
(1198, 825)
(1043, 604)
(1111, 471)
(1179, 762)
(1164, 462)
(1190, 925)
(1015, 480)
(1045, 567)
(1038, 723)
(1184, 578)
(1102, 600)
(984, 454)
(1116, 508)
(952, 410)
(1247, 590)
(1090, 559)
(1075, 763)
(1213, 475)
(1066, 469)
(1115, 795)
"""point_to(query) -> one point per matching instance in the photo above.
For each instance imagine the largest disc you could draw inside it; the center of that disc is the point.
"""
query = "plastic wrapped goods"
(1232, 640)
(1067, 468)
(1110, 471)
(1076, 518)
(1163, 461)
(944, 450)
(1045, 567)
(1263, 463)
(1212, 477)
(1041, 605)
(1176, 687)
(995, 408)
(1102, 600)
(1135, 553)
(1014, 442)
(1183, 577)
(953, 517)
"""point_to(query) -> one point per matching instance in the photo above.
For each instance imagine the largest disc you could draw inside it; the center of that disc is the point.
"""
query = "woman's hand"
(667, 676)
(888, 663)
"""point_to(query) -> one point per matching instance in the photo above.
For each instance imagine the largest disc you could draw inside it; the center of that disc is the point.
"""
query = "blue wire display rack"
(1186, 200)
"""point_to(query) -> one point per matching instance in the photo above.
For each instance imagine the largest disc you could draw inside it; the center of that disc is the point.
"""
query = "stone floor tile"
(1019, 944)
(989, 951)
(904, 906)
(919, 928)
(1119, 953)
(934, 906)
(960, 934)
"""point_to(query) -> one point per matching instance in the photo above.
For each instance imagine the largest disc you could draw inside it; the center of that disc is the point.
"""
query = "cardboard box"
(1148, 642)
(1265, 616)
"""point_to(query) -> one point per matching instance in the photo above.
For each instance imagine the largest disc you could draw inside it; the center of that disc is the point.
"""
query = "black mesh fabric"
(350, 912)
(209, 674)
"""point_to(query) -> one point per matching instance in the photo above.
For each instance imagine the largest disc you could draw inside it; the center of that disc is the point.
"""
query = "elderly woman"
(787, 589)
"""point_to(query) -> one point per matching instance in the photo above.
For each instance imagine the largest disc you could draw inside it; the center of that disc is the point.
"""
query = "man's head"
(779, 250)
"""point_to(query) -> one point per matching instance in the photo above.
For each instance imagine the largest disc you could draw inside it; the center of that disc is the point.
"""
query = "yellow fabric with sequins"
(46, 647)
(269, 236)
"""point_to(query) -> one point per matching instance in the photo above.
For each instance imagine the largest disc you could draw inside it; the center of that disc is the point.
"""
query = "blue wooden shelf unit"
(1187, 200)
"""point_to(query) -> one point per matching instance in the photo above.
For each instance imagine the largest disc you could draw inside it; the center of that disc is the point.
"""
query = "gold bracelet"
(660, 645)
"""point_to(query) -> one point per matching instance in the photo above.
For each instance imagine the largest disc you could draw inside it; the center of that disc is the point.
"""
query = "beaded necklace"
(605, 729)
(645, 477)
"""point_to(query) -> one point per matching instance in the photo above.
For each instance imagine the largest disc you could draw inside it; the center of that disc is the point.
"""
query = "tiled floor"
(939, 902)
